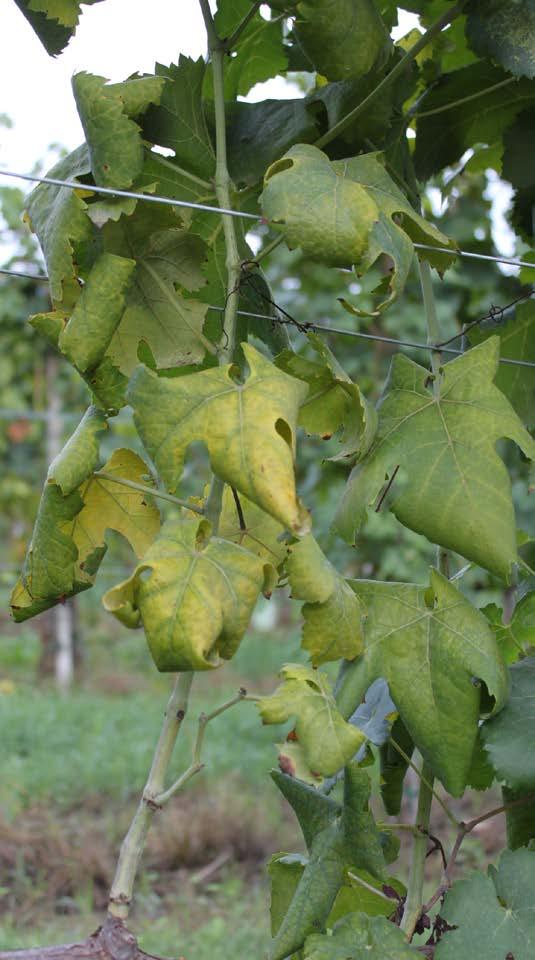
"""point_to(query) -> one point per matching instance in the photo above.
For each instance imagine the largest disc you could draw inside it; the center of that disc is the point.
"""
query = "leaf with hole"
(348, 212)
(248, 429)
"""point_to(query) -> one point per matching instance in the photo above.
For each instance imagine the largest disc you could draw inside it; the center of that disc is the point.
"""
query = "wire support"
(150, 198)
(337, 331)
(476, 256)
(190, 204)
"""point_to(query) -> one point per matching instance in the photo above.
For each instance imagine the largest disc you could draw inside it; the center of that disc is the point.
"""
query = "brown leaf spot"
(286, 765)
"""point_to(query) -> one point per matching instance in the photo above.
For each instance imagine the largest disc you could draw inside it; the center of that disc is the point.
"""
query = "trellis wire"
(152, 198)
(339, 331)
(108, 191)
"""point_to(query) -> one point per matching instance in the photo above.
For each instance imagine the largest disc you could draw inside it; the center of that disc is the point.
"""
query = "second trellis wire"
(319, 326)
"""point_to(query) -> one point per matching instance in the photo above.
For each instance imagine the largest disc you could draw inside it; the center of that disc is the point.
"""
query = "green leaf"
(58, 216)
(341, 213)
(85, 335)
(344, 38)
(394, 768)
(285, 871)
(504, 32)
(429, 644)
(453, 486)
(89, 331)
(332, 613)
(106, 382)
(248, 429)
(336, 836)
(494, 914)
(259, 53)
(259, 133)
(327, 740)
(481, 775)
(518, 146)
(518, 636)
(520, 819)
(359, 937)
(508, 737)
(334, 402)
(54, 21)
(178, 122)
(197, 601)
(517, 341)
(361, 893)
(159, 309)
(479, 117)
(337, 99)
(114, 140)
(314, 810)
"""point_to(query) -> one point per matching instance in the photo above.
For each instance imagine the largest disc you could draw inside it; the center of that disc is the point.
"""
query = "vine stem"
(152, 491)
(463, 831)
(217, 50)
(428, 782)
(133, 844)
(400, 67)
(414, 901)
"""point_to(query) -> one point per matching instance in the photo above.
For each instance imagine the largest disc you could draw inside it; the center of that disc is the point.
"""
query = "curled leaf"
(193, 593)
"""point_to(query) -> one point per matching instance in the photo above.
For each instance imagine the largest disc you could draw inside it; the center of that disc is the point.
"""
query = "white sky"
(35, 90)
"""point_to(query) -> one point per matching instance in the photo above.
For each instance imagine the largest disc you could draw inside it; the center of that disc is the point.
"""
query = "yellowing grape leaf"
(433, 648)
(248, 428)
(111, 505)
(197, 601)
(334, 402)
(328, 741)
(348, 212)
(452, 486)
(332, 612)
(76, 509)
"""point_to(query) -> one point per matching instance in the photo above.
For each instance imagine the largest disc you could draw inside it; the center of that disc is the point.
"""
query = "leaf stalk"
(151, 491)
(414, 901)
